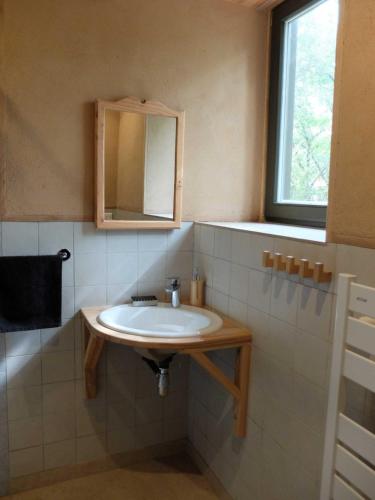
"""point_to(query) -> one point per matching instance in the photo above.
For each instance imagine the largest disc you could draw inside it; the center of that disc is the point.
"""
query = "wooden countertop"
(231, 334)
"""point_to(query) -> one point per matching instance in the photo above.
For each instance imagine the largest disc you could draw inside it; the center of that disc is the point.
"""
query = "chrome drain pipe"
(161, 371)
(163, 382)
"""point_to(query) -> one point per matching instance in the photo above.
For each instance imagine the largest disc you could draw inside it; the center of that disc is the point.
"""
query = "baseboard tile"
(111, 462)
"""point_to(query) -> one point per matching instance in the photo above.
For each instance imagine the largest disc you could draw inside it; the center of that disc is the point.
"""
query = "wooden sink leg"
(242, 380)
(92, 355)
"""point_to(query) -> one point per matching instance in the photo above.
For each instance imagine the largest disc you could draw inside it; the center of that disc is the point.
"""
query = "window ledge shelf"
(299, 233)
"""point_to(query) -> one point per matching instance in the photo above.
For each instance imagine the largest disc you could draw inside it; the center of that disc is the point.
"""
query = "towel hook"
(64, 254)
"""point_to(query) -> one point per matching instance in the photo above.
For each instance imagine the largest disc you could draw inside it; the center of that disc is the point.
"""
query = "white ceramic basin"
(161, 320)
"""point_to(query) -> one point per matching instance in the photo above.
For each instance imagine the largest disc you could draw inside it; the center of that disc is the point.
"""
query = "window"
(303, 50)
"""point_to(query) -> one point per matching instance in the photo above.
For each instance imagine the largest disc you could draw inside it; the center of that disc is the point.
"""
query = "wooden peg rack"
(291, 265)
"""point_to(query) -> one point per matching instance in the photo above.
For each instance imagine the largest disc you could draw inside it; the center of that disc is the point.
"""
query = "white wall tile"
(280, 341)
(122, 268)
(121, 414)
(88, 239)
(221, 277)
(90, 269)
(57, 366)
(86, 296)
(24, 402)
(54, 236)
(314, 311)
(25, 433)
(120, 359)
(58, 397)
(60, 454)
(148, 410)
(67, 301)
(309, 403)
(205, 266)
(239, 283)
(223, 244)
(58, 426)
(58, 339)
(241, 248)
(257, 321)
(284, 300)
(206, 240)
(20, 238)
(220, 301)
(197, 230)
(22, 342)
(122, 241)
(181, 240)
(311, 358)
(151, 266)
(238, 310)
(91, 420)
(120, 294)
(120, 440)
(152, 241)
(27, 461)
(67, 277)
(260, 289)
(180, 264)
(23, 370)
(156, 288)
(258, 244)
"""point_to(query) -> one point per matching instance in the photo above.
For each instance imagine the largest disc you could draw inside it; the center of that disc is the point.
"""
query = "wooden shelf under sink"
(232, 335)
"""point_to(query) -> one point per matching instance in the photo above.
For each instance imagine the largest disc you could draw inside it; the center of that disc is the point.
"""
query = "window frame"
(299, 214)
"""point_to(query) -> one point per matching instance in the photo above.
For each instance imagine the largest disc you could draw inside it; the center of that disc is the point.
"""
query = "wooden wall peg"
(321, 276)
(267, 260)
(291, 266)
(304, 269)
(278, 262)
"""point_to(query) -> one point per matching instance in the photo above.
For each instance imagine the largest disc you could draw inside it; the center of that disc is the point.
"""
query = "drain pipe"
(161, 371)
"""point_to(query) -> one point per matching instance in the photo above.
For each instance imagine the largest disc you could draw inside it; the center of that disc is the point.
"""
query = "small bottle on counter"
(196, 289)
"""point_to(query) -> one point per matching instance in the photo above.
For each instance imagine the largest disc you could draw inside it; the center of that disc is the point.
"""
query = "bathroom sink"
(160, 321)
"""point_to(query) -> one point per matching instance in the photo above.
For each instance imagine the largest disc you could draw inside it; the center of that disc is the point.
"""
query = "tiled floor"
(165, 479)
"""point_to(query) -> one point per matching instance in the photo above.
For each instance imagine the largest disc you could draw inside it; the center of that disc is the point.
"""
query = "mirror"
(139, 165)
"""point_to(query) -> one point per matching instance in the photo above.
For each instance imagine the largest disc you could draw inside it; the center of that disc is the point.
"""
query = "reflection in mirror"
(139, 166)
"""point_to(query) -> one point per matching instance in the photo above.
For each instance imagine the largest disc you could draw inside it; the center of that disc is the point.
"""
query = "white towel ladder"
(349, 451)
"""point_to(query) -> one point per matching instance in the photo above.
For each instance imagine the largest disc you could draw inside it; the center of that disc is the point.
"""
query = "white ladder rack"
(349, 451)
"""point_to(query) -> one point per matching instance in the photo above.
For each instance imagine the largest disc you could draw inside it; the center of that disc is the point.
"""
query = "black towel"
(30, 292)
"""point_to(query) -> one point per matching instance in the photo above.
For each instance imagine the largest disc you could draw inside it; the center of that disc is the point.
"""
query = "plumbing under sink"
(162, 321)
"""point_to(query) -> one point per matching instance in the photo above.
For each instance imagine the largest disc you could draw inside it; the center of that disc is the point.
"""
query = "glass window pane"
(305, 126)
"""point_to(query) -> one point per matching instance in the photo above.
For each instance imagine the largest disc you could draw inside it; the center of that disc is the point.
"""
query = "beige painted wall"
(206, 57)
(352, 185)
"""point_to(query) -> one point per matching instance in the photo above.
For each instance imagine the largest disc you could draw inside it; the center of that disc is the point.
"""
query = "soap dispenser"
(196, 290)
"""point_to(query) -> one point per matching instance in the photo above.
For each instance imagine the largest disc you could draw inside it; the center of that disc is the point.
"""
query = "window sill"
(308, 234)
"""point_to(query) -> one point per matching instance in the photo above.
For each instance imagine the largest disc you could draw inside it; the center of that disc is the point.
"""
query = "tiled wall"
(45, 421)
(50, 423)
(291, 319)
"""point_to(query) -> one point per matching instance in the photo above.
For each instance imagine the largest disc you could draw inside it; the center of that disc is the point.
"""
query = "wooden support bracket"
(239, 388)
(92, 355)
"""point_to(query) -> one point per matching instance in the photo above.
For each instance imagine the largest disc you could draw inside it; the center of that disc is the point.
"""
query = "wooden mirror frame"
(134, 105)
